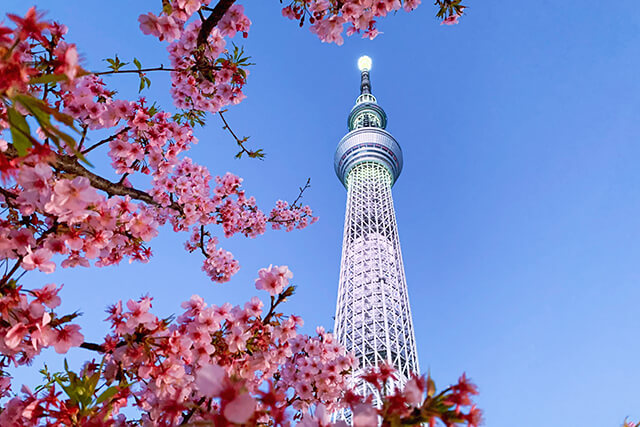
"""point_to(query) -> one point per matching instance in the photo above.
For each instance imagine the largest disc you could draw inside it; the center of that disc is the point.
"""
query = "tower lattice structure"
(373, 317)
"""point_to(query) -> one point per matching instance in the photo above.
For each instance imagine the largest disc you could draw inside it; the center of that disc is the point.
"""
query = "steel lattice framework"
(373, 317)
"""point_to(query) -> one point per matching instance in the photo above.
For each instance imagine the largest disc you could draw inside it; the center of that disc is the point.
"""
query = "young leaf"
(20, 133)
(47, 78)
(107, 394)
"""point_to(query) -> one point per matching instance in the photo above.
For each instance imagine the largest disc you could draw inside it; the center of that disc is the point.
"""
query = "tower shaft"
(373, 317)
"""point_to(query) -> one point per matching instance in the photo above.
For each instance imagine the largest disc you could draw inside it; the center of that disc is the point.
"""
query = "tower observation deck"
(373, 317)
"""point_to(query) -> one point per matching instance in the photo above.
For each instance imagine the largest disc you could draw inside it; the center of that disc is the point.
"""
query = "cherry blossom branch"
(294, 205)
(138, 71)
(7, 194)
(192, 411)
(7, 276)
(212, 20)
(104, 141)
(85, 128)
(93, 347)
(257, 154)
(202, 249)
(302, 190)
(282, 297)
(70, 165)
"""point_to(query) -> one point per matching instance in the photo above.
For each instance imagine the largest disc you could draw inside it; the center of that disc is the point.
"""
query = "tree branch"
(93, 347)
(70, 165)
(212, 20)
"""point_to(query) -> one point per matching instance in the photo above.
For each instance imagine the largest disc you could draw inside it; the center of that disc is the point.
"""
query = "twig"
(302, 189)
(84, 136)
(239, 141)
(187, 417)
(142, 70)
(104, 141)
(202, 232)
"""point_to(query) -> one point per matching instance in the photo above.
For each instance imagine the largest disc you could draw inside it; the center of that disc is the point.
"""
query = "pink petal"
(240, 409)
(211, 380)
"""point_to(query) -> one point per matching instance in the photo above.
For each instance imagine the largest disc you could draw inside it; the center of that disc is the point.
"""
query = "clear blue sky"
(518, 206)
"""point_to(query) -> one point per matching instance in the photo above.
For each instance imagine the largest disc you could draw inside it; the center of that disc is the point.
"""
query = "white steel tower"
(373, 318)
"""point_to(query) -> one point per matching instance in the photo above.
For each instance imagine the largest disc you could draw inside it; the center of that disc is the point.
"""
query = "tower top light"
(364, 63)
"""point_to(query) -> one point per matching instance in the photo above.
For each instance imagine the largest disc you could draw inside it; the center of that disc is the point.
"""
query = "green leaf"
(107, 394)
(153, 110)
(92, 382)
(115, 64)
(166, 7)
(47, 78)
(20, 132)
(34, 103)
(137, 63)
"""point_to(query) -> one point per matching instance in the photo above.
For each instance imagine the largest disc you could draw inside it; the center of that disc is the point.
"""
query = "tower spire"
(364, 64)
(366, 112)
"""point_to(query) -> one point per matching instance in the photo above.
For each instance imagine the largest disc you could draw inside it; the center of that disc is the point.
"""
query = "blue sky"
(518, 206)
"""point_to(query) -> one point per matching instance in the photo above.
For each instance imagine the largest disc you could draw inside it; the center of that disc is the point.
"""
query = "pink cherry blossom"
(67, 337)
(274, 279)
(450, 20)
(39, 259)
(14, 335)
(48, 295)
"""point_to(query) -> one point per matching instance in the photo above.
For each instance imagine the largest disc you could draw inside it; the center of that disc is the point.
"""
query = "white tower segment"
(373, 317)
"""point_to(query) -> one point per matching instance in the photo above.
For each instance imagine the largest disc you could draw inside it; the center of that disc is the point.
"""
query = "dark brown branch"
(7, 194)
(6, 277)
(202, 249)
(85, 128)
(212, 20)
(276, 302)
(69, 164)
(93, 347)
(192, 411)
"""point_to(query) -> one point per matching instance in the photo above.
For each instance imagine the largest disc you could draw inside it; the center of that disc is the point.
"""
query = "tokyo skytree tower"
(373, 318)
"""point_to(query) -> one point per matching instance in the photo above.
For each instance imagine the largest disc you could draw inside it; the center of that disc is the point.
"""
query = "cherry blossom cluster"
(56, 206)
(328, 17)
(57, 212)
(205, 76)
(213, 364)
(416, 403)
(28, 324)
